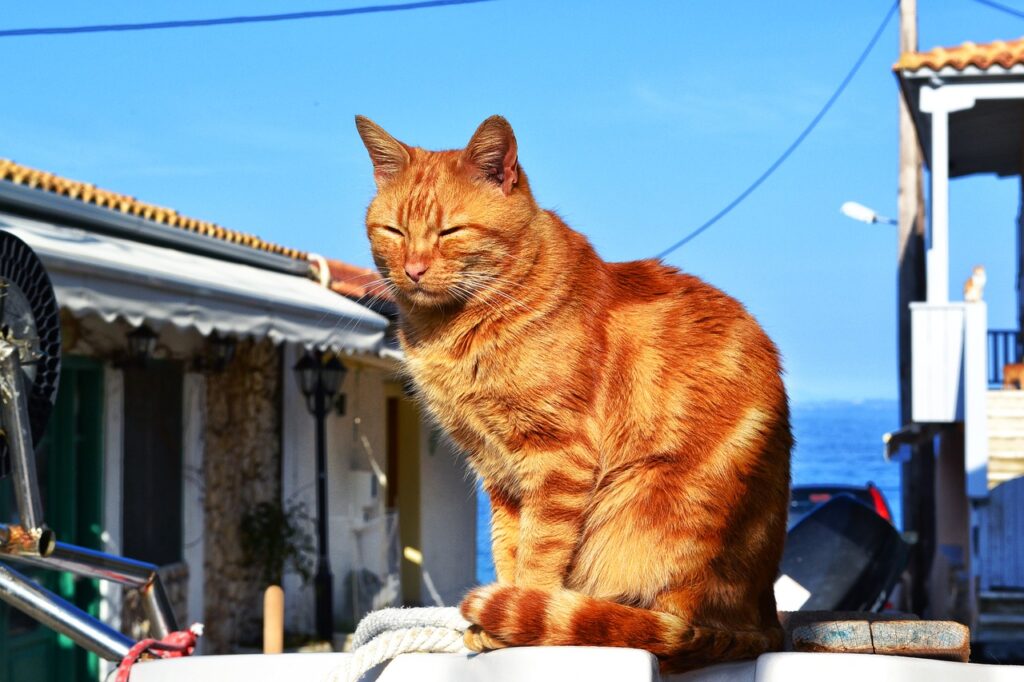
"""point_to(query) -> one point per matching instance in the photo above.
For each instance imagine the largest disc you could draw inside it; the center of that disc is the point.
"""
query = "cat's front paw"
(476, 600)
(473, 608)
(479, 640)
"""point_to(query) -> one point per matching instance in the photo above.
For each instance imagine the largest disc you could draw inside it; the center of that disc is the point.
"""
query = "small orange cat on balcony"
(1013, 375)
(628, 421)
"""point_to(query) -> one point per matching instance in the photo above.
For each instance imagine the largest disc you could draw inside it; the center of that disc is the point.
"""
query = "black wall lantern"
(217, 354)
(320, 376)
(141, 344)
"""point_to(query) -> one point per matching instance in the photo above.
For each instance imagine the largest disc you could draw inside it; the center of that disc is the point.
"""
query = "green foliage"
(274, 537)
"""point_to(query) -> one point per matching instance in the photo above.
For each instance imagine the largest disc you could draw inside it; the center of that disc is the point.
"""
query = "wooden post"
(273, 620)
(918, 474)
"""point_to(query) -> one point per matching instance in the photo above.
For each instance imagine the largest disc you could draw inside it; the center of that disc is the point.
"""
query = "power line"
(1002, 8)
(796, 143)
(222, 21)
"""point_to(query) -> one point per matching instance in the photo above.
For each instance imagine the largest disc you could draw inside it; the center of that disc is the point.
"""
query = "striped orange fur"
(628, 421)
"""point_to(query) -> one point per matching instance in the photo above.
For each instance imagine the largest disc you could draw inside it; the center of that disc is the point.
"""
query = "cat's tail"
(523, 616)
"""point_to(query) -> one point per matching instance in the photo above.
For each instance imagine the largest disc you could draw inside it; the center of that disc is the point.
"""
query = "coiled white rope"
(385, 634)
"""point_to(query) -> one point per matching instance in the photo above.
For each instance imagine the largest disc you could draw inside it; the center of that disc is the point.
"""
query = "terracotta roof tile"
(89, 194)
(356, 282)
(1004, 53)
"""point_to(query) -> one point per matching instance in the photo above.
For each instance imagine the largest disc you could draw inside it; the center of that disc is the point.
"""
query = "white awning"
(114, 278)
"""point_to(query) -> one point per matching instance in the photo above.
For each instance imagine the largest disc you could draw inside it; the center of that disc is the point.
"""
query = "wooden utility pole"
(918, 474)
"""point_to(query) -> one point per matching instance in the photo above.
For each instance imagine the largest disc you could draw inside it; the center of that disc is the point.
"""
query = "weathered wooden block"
(791, 620)
(834, 637)
(944, 640)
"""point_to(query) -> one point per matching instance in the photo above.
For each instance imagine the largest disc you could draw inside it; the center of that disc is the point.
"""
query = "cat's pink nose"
(415, 270)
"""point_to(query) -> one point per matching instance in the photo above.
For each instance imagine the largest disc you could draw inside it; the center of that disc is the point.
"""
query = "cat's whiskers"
(472, 291)
(491, 278)
(374, 292)
(467, 292)
(497, 279)
(484, 284)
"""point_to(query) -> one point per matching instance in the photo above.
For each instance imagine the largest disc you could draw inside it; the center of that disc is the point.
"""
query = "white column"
(113, 480)
(975, 398)
(298, 484)
(194, 445)
(937, 258)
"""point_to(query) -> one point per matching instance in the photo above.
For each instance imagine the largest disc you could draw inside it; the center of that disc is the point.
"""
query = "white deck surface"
(572, 664)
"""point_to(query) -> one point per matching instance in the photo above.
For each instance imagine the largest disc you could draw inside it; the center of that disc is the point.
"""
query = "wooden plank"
(794, 620)
(834, 637)
(944, 640)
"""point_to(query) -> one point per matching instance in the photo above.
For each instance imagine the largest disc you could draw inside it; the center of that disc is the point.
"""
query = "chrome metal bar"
(14, 405)
(62, 616)
(158, 609)
(21, 541)
(90, 563)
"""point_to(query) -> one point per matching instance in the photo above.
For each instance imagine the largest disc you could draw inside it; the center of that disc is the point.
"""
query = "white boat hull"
(571, 664)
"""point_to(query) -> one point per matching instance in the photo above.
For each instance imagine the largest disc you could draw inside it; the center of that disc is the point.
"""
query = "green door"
(69, 463)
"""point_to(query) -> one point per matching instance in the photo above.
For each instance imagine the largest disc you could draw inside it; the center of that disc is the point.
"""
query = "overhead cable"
(223, 21)
(796, 143)
(1002, 8)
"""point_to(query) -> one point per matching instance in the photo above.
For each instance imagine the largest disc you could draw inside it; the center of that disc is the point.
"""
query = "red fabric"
(174, 645)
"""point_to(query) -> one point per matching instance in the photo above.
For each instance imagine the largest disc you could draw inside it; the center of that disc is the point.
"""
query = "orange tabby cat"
(628, 421)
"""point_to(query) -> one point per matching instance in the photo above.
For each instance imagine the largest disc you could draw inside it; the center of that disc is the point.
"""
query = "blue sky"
(636, 121)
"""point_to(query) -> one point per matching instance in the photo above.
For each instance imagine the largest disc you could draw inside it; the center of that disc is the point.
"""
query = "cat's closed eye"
(393, 230)
(450, 230)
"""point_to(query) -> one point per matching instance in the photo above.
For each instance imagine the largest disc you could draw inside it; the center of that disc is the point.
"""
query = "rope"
(174, 645)
(385, 634)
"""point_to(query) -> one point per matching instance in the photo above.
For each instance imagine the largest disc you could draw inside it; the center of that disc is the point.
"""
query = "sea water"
(836, 442)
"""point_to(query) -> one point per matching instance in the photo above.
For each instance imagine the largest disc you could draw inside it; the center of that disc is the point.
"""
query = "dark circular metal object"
(30, 319)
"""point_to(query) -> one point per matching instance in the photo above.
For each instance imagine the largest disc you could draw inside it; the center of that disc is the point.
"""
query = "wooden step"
(1005, 395)
(997, 627)
(1004, 444)
(1006, 427)
(1001, 602)
(1005, 460)
(1012, 425)
(1002, 469)
(1004, 418)
(1003, 400)
(1008, 413)
(1010, 620)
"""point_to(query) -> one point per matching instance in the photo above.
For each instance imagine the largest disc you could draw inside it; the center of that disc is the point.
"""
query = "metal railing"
(1004, 347)
(31, 542)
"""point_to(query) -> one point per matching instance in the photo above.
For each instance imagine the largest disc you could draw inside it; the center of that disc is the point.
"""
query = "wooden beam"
(918, 492)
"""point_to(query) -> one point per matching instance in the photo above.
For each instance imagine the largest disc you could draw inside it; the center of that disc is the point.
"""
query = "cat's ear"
(492, 154)
(389, 156)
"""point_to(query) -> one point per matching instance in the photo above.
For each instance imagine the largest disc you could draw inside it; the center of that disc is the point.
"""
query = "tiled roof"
(999, 53)
(89, 194)
(356, 282)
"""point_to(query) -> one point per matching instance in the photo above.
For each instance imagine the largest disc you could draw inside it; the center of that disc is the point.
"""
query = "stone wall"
(242, 467)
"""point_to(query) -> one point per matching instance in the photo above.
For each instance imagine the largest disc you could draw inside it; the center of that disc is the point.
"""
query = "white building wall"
(356, 452)
(447, 518)
(357, 531)
(355, 518)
